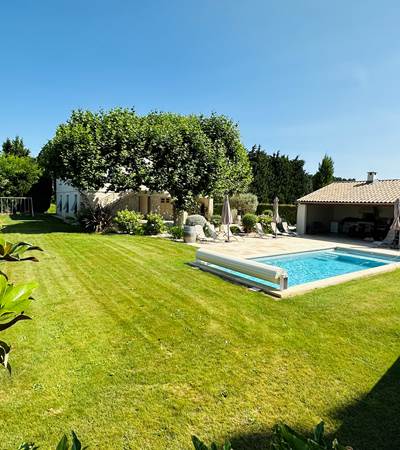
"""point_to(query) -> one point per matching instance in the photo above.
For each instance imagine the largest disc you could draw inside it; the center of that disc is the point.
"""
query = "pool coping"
(312, 285)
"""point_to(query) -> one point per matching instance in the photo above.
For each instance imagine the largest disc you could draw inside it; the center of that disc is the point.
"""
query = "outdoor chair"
(275, 230)
(287, 231)
(260, 232)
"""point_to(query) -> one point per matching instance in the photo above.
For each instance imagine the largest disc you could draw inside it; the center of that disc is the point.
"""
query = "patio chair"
(224, 230)
(286, 229)
(275, 229)
(200, 235)
(260, 232)
(214, 236)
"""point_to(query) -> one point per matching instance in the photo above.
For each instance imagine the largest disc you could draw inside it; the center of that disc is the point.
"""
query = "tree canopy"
(187, 156)
(278, 175)
(17, 175)
(15, 147)
(325, 173)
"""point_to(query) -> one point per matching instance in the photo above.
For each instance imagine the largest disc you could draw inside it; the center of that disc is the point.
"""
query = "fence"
(14, 205)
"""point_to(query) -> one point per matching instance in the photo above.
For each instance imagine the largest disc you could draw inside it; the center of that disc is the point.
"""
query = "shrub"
(129, 221)
(268, 212)
(176, 232)
(216, 220)
(235, 229)
(96, 219)
(196, 219)
(265, 222)
(154, 225)
(288, 212)
(244, 203)
(249, 222)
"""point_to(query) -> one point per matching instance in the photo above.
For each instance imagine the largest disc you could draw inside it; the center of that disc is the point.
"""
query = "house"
(70, 200)
(361, 209)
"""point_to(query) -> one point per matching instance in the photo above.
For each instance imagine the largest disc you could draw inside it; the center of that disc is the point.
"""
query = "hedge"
(288, 212)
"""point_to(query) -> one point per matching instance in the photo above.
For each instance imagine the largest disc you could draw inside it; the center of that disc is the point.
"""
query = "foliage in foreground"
(10, 251)
(284, 438)
(64, 444)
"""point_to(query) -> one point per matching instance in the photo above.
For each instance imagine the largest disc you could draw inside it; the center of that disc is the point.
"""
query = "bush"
(287, 212)
(216, 220)
(196, 219)
(268, 212)
(154, 225)
(244, 203)
(265, 222)
(96, 218)
(249, 222)
(176, 232)
(129, 221)
(235, 229)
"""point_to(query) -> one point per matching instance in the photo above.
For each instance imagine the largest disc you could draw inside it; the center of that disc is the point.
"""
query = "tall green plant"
(10, 251)
(14, 299)
(64, 444)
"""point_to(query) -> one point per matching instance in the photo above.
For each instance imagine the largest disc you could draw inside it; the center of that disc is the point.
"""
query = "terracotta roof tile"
(356, 192)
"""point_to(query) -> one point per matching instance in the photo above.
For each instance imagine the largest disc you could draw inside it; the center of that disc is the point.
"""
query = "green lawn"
(134, 349)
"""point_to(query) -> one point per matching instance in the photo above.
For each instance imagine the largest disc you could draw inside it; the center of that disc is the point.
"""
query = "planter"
(189, 234)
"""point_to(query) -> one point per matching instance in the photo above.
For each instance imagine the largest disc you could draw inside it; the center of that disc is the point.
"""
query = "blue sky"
(303, 77)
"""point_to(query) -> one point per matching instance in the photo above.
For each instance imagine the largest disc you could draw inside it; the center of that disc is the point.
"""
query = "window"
(75, 206)
(67, 204)
(59, 205)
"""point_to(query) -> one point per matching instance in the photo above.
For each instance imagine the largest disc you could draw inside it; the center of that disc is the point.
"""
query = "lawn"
(134, 349)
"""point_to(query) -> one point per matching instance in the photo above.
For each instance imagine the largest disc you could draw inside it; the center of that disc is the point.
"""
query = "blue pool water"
(312, 266)
(306, 267)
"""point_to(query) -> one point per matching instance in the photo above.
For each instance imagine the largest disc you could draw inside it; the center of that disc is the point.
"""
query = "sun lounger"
(275, 229)
(286, 229)
(260, 232)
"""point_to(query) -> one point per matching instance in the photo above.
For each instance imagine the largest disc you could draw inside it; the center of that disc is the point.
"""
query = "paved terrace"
(249, 247)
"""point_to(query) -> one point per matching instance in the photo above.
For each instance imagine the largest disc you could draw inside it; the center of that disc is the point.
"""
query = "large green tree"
(325, 173)
(278, 175)
(233, 174)
(17, 175)
(187, 156)
(15, 147)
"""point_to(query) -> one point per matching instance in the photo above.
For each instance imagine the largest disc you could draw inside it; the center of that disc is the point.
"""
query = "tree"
(325, 173)
(15, 147)
(188, 156)
(17, 175)
(277, 175)
(233, 175)
(181, 158)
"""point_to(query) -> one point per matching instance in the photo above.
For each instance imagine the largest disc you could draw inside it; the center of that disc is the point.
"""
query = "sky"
(303, 77)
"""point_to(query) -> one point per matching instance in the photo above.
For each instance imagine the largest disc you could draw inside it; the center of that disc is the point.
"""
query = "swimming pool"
(298, 272)
(307, 267)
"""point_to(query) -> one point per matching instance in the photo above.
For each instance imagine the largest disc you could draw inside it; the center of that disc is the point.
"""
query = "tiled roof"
(357, 192)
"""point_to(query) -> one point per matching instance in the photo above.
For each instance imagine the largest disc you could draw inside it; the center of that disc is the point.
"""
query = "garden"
(132, 348)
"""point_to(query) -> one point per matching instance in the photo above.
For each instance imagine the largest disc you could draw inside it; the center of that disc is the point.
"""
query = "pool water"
(313, 266)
